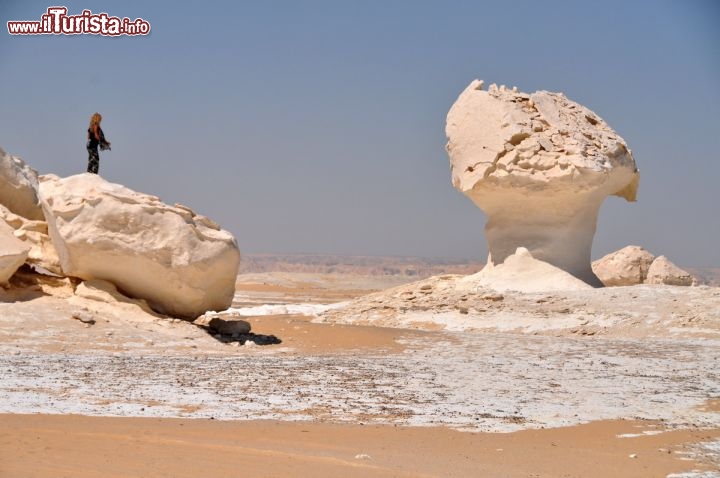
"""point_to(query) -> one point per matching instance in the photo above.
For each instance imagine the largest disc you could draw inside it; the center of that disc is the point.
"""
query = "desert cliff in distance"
(409, 267)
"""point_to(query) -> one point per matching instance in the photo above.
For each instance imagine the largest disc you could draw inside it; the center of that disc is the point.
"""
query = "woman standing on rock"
(96, 138)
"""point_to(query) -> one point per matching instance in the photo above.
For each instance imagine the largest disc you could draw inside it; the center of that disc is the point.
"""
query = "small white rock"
(83, 316)
(362, 456)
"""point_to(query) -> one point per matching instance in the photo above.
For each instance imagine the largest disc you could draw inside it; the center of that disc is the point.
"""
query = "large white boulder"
(18, 187)
(13, 252)
(181, 263)
(539, 165)
(662, 271)
(627, 266)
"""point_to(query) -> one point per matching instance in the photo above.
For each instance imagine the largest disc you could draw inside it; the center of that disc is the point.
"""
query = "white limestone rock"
(19, 187)
(539, 165)
(627, 266)
(521, 272)
(42, 255)
(13, 253)
(147, 249)
(104, 291)
(662, 271)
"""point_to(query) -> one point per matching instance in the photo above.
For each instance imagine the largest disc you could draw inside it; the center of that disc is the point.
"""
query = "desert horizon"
(412, 266)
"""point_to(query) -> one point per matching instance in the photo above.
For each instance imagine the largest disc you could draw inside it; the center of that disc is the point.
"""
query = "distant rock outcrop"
(181, 263)
(627, 266)
(662, 271)
(539, 165)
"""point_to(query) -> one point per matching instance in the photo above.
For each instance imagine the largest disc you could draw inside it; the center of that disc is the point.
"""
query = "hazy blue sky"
(318, 126)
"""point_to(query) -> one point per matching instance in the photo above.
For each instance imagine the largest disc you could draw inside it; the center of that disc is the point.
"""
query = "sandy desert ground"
(618, 382)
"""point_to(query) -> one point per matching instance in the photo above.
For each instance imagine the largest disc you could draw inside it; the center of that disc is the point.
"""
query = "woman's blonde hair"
(95, 120)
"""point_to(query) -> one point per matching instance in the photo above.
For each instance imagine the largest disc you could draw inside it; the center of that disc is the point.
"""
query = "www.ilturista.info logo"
(57, 22)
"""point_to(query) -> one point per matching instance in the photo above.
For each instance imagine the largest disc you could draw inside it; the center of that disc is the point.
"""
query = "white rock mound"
(18, 187)
(662, 271)
(633, 265)
(627, 266)
(521, 272)
(181, 263)
(539, 165)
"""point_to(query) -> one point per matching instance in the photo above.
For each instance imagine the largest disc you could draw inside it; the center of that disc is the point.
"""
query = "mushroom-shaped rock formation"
(539, 165)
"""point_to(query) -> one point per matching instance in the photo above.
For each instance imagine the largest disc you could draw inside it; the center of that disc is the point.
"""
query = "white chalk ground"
(710, 451)
(455, 303)
(285, 309)
(488, 382)
(489, 361)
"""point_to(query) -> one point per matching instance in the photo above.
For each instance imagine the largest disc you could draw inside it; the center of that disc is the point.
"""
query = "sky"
(318, 126)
